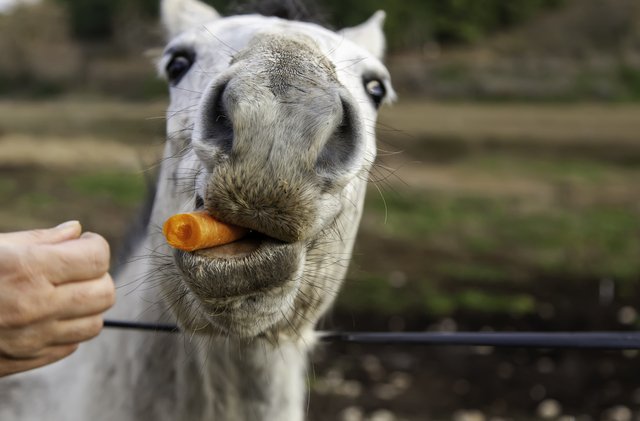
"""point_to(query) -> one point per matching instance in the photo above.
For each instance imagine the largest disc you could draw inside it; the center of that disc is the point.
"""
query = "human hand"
(54, 287)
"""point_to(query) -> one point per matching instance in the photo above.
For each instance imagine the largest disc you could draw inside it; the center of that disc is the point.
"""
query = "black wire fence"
(542, 340)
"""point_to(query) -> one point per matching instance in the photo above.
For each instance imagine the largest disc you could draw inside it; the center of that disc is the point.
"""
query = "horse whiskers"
(185, 180)
(176, 113)
(385, 153)
(377, 177)
(233, 50)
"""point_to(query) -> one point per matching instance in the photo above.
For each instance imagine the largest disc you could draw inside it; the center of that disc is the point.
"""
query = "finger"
(73, 331)
(63, 232)
(80, 299)
(77, 260)
(48, 355)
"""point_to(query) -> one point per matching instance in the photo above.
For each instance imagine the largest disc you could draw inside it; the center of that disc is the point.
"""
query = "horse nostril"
(218, 128)
(341, 145)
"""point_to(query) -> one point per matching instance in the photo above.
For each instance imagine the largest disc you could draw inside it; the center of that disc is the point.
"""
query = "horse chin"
(254, 315)
(245, 288)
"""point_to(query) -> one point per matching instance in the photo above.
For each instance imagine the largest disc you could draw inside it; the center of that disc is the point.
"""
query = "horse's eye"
(178, 67)
(376, 90)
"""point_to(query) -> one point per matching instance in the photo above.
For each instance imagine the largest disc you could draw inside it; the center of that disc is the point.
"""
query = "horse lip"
(253, 231)
(236, 249)
(249, 224)
(270, 265)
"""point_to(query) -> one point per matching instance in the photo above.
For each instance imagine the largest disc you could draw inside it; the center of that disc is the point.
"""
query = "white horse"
(270, 127)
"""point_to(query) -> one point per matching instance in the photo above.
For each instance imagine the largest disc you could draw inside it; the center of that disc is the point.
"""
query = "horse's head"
(270, 127)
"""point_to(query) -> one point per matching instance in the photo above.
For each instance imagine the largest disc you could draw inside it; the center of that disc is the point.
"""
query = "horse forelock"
(298, 10)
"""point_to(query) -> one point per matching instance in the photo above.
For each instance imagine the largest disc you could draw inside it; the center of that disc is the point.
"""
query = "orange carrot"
(199, 230)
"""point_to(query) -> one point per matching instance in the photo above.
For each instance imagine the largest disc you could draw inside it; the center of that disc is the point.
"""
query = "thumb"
(67, 231)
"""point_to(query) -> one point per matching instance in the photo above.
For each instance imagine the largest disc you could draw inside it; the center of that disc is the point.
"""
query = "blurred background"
(506, 196)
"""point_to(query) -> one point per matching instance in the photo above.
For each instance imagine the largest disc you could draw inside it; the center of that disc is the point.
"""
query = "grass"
(373, 294)
(548, 169)
(105, 201)
(7, 186)
(630, 80)
(122, 188)
(482, 252)
(38, 200)
(486, 273)
(600, 240)
(476, 300)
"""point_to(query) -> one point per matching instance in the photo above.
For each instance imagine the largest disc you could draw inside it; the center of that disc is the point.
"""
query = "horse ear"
(369, 35)
(180, 15)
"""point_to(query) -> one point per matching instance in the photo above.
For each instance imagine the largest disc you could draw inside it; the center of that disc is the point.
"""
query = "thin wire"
(158, 327)
(565, 340)
(581, 340)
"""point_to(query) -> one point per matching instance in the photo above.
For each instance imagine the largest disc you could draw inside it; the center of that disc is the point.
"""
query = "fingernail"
(67, 225)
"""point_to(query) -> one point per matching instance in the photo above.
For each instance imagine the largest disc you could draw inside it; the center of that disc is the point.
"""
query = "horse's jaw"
(245, 294)
(263, 287)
